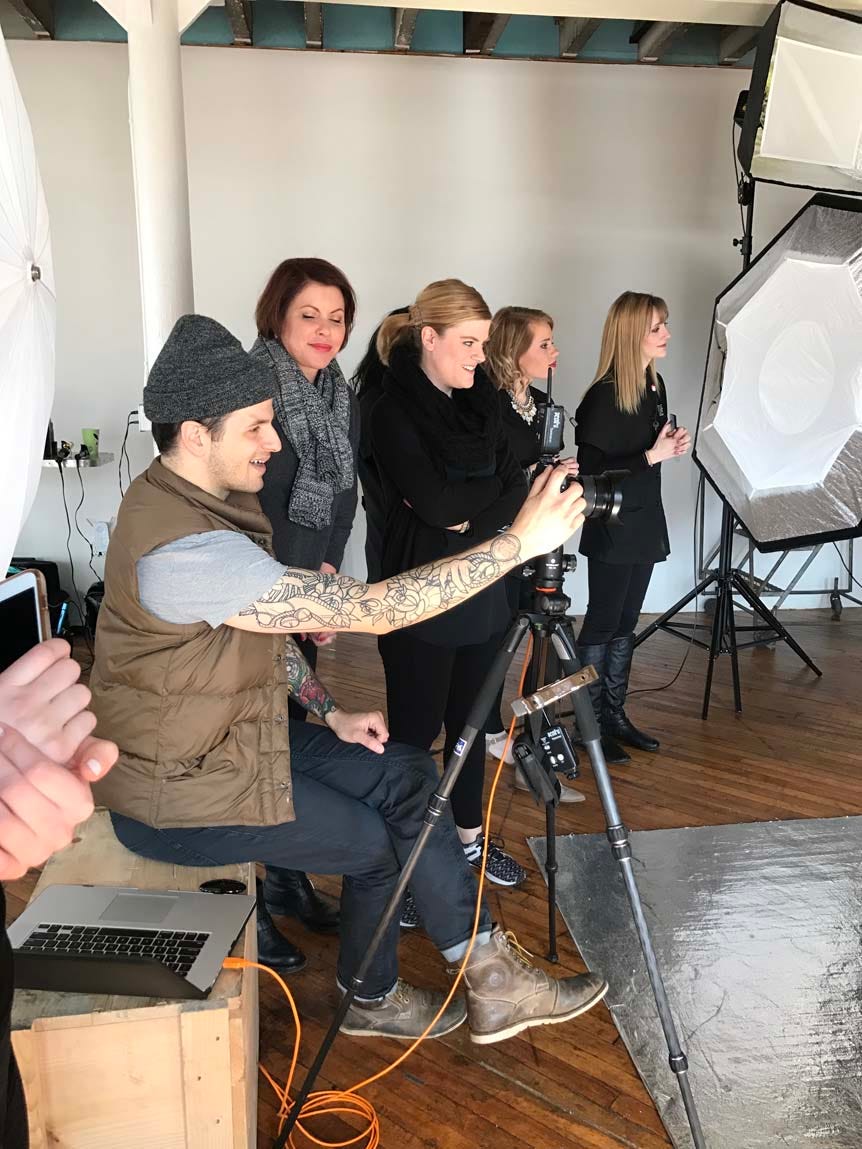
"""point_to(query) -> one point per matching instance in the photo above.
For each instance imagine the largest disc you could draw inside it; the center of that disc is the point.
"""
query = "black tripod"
(727, 579)
(548, 626)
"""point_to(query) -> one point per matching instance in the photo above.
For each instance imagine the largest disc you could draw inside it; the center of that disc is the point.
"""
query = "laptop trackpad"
(145, 908)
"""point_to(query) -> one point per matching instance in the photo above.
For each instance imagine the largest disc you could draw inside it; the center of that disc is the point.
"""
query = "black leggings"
(617, 592)
(431, 686)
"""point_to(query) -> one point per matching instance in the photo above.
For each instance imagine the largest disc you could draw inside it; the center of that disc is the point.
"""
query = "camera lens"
(602, 494)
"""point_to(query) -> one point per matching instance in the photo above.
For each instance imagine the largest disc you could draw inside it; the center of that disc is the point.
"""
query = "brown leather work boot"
(404, 1012)
(506, 994)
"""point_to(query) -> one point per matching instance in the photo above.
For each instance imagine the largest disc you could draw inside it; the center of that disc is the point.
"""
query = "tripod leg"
(551, 868)
(766, 614)
(621, 849)
(438, 804)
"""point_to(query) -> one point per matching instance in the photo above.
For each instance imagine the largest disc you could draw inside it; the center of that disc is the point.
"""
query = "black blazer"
(440, 496)
(610, 440)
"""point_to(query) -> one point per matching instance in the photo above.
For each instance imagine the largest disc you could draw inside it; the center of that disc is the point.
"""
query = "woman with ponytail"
(622, 424)
(448, 476)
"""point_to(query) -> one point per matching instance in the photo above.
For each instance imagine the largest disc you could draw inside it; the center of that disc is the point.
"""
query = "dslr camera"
(603, 493)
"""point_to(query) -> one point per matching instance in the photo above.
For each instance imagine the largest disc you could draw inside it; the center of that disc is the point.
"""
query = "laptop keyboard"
(174, 948)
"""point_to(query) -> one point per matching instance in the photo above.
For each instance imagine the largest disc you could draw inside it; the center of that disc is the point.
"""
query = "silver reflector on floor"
(757, 932)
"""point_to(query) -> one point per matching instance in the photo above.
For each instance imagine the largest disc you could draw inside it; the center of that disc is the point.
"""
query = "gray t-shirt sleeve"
(208, 577)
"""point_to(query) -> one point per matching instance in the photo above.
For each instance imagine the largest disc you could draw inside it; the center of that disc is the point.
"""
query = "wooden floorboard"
(794, 752)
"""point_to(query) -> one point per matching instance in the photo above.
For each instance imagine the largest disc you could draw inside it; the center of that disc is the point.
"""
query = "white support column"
(158, 137)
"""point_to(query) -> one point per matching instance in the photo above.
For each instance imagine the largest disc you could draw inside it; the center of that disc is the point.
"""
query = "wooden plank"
(736, 43)
(239, 12)
(206, 1075)
(313, 16)
(654, 39)
(482, 30)
(575, 32)
(405, 26)
(38, 15)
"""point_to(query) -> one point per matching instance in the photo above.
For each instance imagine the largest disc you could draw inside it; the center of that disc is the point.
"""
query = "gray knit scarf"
(315, 418)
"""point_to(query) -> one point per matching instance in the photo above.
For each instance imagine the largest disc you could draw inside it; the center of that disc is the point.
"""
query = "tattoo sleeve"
(303, 683)
(309, 600)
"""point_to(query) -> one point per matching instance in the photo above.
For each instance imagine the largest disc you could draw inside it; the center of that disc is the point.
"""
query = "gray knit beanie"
(203, 372)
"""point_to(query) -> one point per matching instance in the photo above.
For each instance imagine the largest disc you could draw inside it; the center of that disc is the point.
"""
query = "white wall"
(548, 185)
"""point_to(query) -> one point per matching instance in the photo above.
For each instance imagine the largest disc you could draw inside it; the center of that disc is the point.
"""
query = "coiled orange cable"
(337, 1102)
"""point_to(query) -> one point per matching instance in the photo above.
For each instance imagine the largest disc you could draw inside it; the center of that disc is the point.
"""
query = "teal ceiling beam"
(211, 27)
(86, 20)
(279, 24)
(438, 32)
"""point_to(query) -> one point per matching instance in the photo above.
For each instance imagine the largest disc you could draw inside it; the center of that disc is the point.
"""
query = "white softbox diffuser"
(803, 116)
(27, 313)
(780, 426)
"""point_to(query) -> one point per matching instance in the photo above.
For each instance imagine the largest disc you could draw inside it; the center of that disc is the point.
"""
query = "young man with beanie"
(194, 667)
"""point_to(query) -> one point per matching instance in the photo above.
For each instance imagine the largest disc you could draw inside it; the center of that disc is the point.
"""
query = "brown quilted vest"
(199, 714)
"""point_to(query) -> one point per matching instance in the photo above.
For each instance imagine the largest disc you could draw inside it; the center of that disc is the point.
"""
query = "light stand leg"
(438, 804)
(621, 849)
(766, 614)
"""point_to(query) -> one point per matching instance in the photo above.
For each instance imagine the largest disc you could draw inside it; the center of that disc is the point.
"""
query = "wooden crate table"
(103, 1071)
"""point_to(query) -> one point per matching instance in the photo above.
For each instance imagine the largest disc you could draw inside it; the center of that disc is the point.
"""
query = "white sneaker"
(495, 744)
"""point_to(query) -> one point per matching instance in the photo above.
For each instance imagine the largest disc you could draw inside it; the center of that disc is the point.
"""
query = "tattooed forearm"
(309, 600)
(304, 685)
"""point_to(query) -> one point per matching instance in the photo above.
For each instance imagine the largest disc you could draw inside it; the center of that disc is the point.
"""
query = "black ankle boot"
(596, 657)
(615, 723)
(273, 948)
(291, 894)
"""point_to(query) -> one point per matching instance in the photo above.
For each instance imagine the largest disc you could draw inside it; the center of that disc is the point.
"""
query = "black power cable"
(855, 581)
(75, 598)
(133, 418)
(78, 525)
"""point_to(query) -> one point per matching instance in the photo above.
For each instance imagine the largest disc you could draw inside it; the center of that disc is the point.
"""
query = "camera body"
(603, 493)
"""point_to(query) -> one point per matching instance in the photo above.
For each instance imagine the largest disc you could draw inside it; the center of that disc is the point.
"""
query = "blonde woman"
(447, 472)
(518, 354)
(622, 424)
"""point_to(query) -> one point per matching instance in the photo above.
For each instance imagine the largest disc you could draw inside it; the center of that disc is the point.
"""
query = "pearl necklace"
(527, 410)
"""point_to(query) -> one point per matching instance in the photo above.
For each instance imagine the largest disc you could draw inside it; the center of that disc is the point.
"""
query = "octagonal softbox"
(779, 433)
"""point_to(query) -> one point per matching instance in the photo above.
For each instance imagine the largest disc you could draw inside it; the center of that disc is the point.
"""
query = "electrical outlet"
(101, 532)
(144, 424)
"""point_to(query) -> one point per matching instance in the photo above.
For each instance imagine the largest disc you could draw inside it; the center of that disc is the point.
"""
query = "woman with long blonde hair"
(623, 424)
(447, 472)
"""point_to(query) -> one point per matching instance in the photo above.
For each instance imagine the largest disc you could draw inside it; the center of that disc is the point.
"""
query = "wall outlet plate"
(144, 424)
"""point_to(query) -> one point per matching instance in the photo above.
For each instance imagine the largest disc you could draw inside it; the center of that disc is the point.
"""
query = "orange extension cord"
(337, 1102)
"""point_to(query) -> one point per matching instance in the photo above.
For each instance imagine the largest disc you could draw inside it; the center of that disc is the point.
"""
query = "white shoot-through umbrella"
(27, 313)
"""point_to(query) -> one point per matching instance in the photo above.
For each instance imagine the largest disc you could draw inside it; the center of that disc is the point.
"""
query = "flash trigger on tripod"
(542, 782)
(558, 751)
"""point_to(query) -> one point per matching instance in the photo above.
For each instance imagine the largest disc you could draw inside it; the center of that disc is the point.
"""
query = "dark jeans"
(617, 592)
(431, 686)
(357, 814)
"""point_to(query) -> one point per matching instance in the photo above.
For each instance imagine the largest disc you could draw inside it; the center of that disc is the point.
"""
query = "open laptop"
(112, 939)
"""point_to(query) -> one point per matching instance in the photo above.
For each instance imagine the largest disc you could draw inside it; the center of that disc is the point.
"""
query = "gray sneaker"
(506, 993)
(404, 1012)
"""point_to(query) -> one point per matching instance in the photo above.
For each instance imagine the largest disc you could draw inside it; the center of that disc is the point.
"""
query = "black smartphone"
(672, 422)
